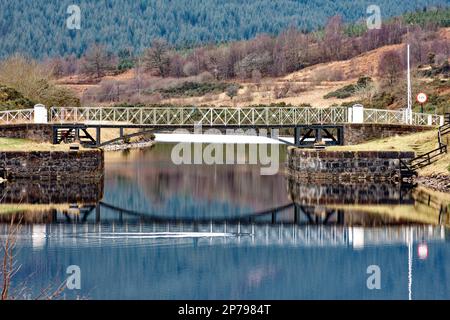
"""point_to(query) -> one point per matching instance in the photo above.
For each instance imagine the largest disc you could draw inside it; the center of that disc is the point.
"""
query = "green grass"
(13, 144)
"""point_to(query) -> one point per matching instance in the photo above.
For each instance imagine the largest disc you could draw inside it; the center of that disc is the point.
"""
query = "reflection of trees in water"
(237, 184)
(160, 179)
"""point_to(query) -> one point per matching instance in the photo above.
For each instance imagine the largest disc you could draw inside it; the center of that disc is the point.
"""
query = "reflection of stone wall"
(362, 193)
(31, 131)
(356, 133)
(52, 191)
(46, 164)
(338, 166)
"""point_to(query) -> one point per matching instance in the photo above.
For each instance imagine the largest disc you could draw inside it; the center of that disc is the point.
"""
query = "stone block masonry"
(345, 166)
(31, 131)
(358, 133)
(38, 165)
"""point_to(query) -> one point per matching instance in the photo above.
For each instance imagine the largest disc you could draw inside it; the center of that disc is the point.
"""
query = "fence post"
(40, 114)
(358, 113)
(349, 114)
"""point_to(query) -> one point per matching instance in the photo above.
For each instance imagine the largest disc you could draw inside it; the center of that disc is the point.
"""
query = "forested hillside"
(38, 28)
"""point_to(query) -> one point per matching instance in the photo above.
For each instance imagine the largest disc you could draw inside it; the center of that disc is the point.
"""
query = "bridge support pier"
(297, 136)
(77, 134)
(97, 136)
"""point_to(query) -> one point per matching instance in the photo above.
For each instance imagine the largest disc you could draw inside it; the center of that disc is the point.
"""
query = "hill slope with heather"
(313, 85)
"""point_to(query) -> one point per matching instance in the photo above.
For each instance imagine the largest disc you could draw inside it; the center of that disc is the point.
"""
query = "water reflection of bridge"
(290, 224)
(346, 205)
(226, 233)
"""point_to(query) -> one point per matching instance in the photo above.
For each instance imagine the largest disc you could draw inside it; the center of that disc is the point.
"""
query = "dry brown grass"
(308, 85)
(12, 144)
(420, 143)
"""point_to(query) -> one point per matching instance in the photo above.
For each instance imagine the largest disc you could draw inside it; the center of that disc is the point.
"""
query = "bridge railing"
(384, 116)
(205, 116)
(400, 117)
(424, 119)
(17, 116)
(223, 116)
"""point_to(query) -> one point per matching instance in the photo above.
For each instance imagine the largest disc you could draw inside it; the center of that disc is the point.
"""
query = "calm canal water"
(155, 230)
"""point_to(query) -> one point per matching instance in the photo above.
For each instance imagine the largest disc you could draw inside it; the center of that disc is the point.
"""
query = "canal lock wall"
(345, 166)
(45, 165)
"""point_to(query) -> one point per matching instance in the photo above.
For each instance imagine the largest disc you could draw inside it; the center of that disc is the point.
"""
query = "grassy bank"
(420, 143)
(13, 144)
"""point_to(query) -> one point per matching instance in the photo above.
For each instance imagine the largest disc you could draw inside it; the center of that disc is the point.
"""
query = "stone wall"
(345, 166)
(32, 131)
(356, 133)
(52, 164)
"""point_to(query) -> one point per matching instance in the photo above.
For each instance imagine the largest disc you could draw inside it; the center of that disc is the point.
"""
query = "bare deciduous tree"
(97, 61)
(157, 57)
(390, 66)
(33, 80)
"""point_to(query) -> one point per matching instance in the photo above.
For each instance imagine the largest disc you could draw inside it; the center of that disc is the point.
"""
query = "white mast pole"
(409, 109)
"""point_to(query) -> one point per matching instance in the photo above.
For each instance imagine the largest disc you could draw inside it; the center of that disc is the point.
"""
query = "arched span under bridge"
(298, 214)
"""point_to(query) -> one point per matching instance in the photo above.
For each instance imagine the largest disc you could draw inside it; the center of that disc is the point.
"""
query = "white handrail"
(263, 116)
(17, 116)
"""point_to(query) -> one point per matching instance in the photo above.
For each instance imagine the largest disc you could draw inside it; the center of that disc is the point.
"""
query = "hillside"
(38, 28)
(307, 86)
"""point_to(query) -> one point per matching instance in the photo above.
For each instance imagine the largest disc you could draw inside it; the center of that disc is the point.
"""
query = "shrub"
(12, 99)
(194, 89)
(281, 92)
(349, 90)
(342, 93)
(382, 100)
(443, 70)
(232, 90)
